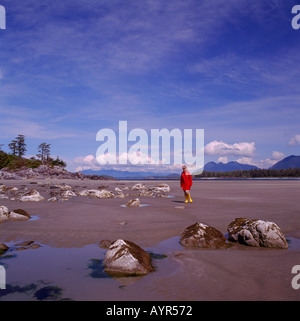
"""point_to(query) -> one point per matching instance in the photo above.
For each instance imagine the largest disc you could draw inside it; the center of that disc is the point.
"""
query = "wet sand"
(238, 273)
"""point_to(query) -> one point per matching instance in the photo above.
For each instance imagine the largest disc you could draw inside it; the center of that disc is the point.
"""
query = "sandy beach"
(237, 273)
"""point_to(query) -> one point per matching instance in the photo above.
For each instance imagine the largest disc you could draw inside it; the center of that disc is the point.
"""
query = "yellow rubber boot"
(190, 199)
(186, 198)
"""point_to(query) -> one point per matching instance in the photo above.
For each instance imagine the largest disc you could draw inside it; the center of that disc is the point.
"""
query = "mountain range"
(227, 167)
(288, 162)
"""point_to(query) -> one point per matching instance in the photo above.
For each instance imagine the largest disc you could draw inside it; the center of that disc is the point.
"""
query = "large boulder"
(125, 258)
(19, 215)
(4, 213)
(32, 196)
(203, 236)
(256, 233)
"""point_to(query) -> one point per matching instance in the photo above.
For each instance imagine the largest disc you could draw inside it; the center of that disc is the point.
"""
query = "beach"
(237, 273)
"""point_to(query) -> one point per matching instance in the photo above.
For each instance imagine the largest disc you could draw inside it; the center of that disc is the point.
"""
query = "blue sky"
(70, 68)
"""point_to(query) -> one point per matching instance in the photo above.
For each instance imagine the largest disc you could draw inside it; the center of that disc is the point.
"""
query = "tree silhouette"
(13, 147)
(44, 152)
(21, 145)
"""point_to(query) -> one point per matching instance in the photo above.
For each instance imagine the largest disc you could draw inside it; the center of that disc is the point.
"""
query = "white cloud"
(223, 159)
(294, 140)
(277, 155)
(223, 149)
(264, 163)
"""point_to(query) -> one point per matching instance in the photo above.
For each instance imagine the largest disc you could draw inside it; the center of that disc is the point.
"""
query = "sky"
(71, 68)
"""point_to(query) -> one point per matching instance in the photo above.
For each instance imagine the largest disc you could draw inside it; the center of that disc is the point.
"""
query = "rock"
(64, 187)
(162, 188)
(125, 258)
(31, 247)
(138, 186)
(5, 192)
(52, 199)
(25, 243)
(120, 195)
(256, 233)
(19, 215)
(4, 174)
(32, 196)
(203, 236)
(105, 244)
(11, 189)
(4, 213)
(68, 193)
(96, 193)
(133, 203)
(3, 247)
(145, 193)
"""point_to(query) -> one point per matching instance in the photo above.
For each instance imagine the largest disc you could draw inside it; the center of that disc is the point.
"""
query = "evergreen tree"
(21, 145)
(44, 152)
(13, 147)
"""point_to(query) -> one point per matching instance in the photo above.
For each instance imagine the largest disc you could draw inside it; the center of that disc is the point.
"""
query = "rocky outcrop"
(125, 258)
(256, 233)
(45, 171)
(203, 236)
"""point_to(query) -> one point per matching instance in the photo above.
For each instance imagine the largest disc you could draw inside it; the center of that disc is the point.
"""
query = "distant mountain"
(288, 162)
(130, 175)
(228, 167)
(210, 167)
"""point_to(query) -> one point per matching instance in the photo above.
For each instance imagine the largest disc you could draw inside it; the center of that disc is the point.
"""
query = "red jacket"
(186, 180)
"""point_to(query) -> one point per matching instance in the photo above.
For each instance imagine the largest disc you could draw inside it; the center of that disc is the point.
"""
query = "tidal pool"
(49, 273)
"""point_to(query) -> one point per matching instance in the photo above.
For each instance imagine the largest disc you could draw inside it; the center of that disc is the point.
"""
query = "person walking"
(186, 183)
